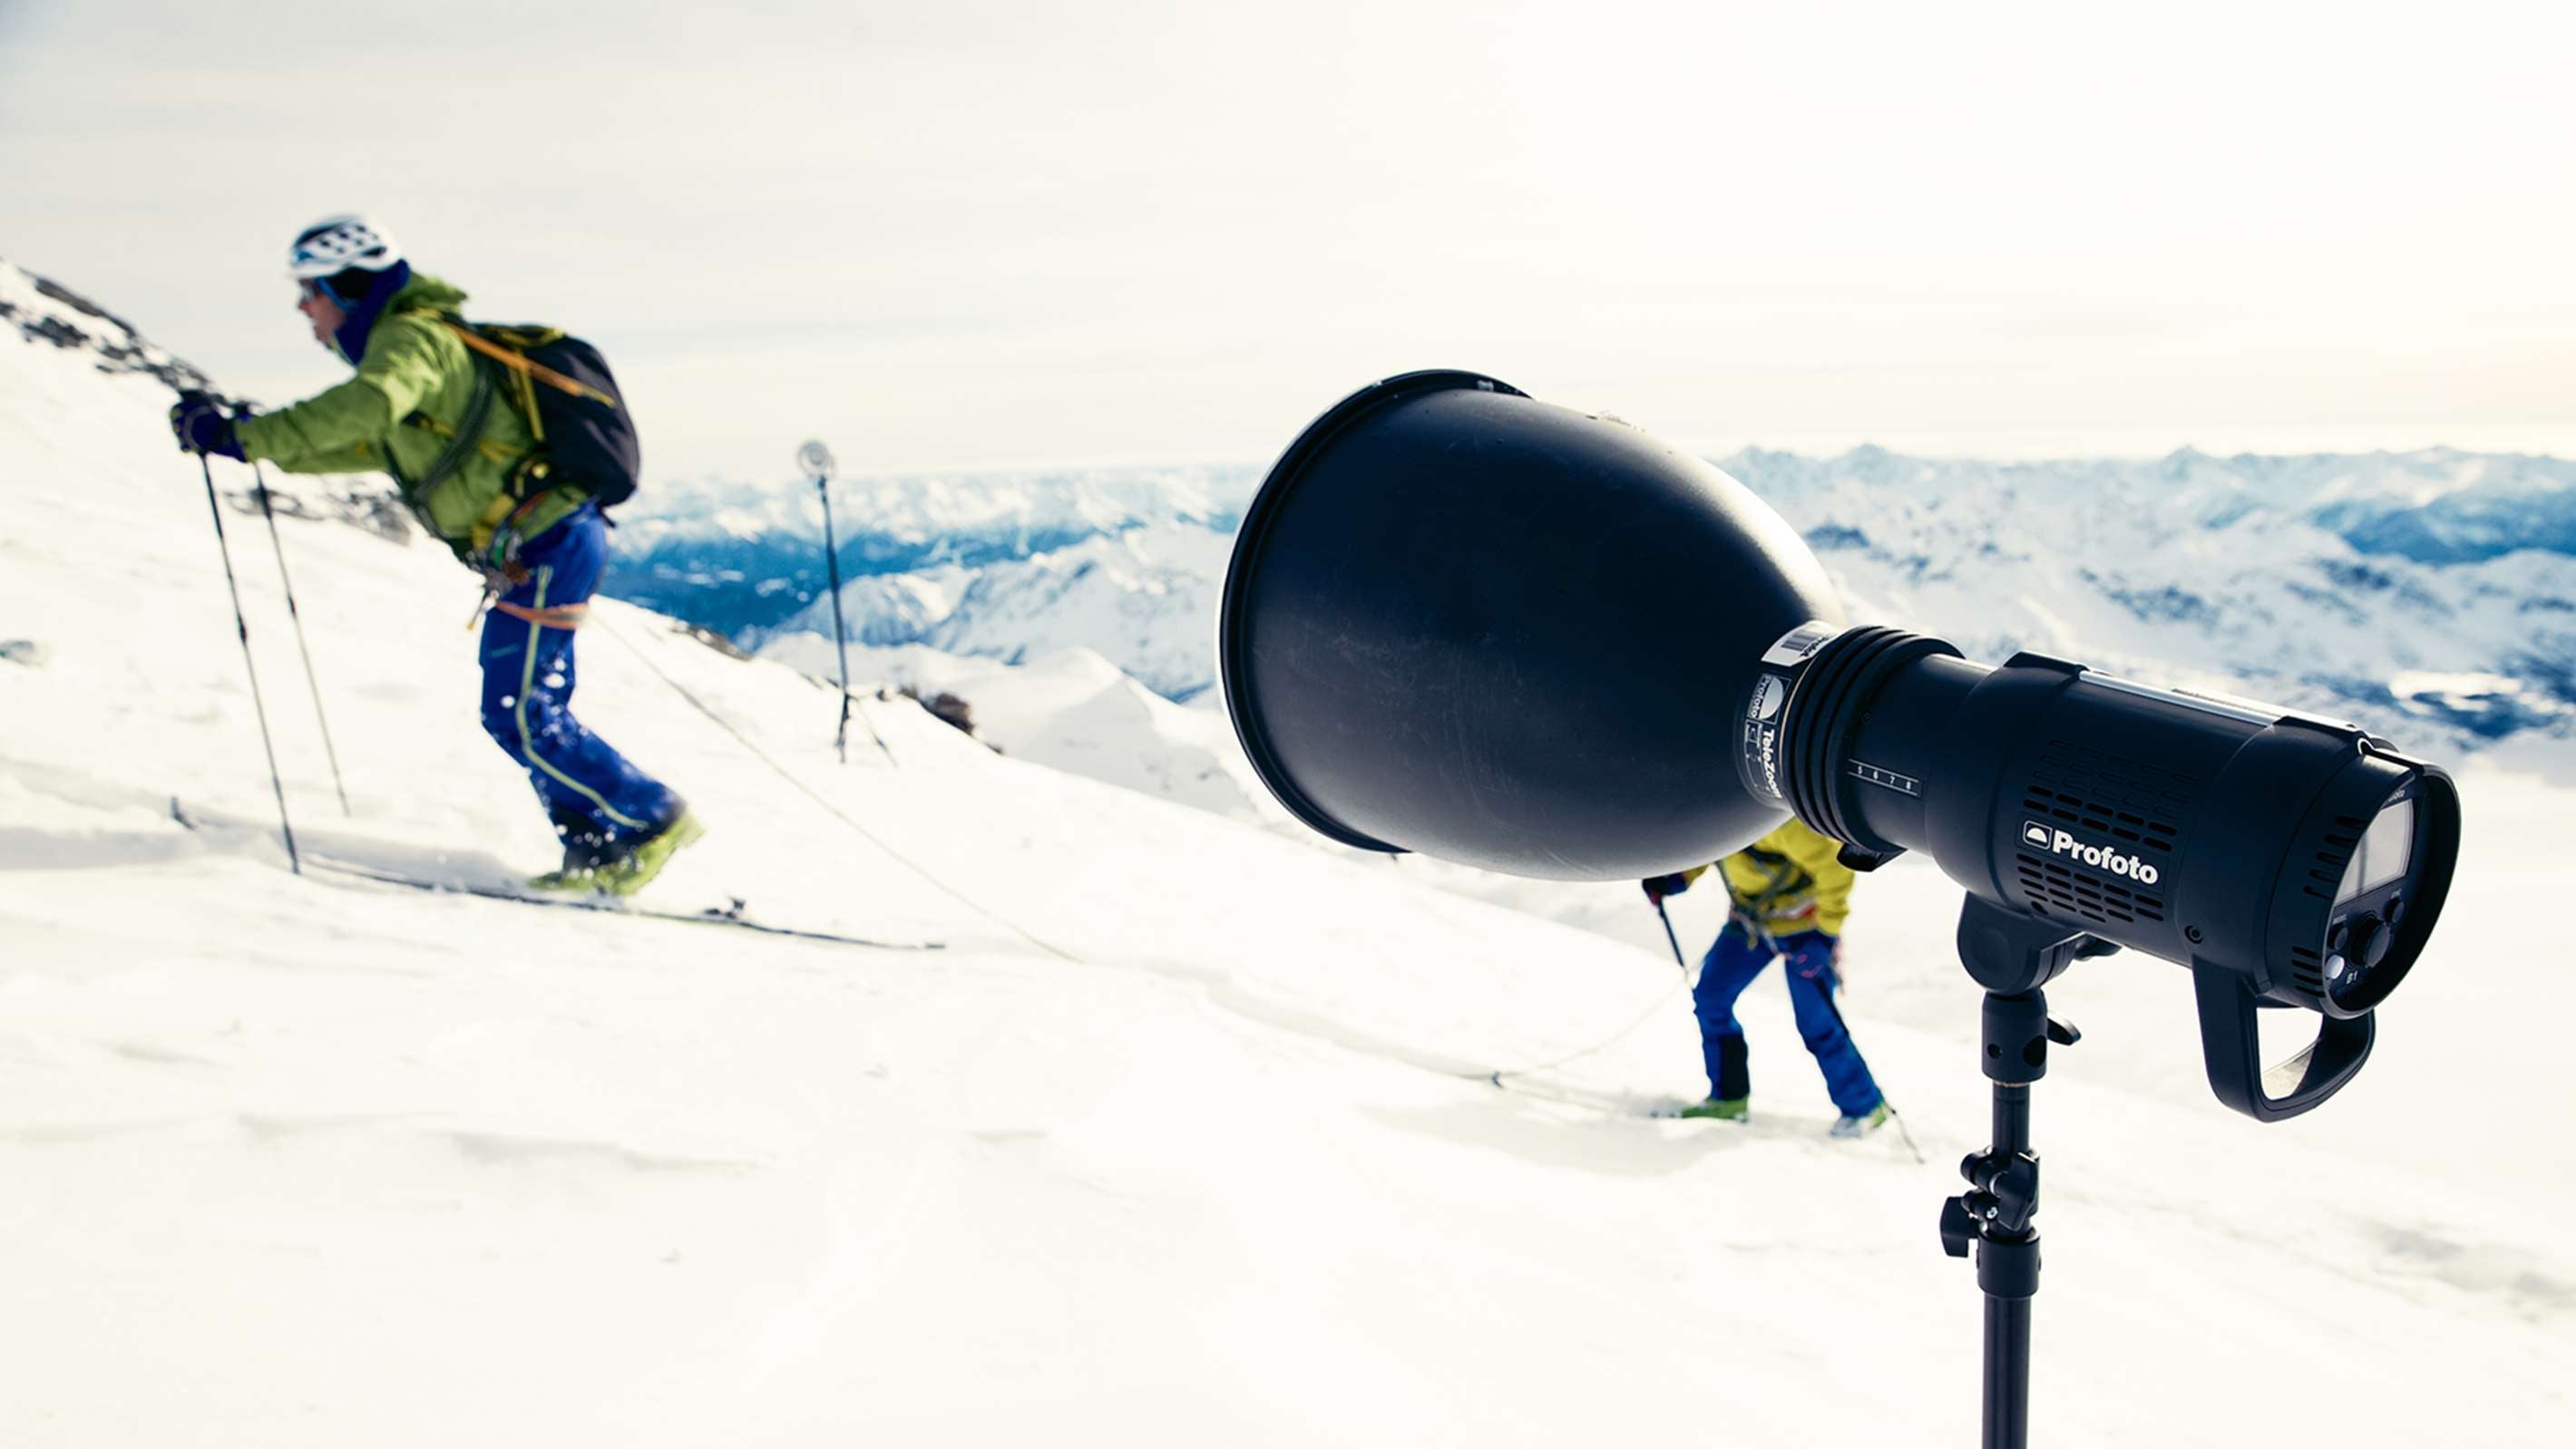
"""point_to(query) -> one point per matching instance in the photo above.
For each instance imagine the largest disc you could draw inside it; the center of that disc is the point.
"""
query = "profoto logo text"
(2100, 857)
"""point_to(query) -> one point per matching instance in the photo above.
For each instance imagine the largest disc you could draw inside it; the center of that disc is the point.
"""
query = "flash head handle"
(2232, 1052)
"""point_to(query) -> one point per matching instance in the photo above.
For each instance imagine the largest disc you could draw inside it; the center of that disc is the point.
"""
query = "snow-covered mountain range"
(2289, 579)
(747, 560)
(1188, 1136)
(2432, 591)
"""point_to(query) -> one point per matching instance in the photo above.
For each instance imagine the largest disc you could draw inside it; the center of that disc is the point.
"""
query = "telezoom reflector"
(1463, 622)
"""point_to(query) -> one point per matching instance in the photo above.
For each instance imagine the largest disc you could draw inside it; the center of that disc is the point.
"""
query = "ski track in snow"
(304, 1161)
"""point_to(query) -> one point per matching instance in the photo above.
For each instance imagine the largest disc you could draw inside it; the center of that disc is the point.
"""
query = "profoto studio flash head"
(1464, 622)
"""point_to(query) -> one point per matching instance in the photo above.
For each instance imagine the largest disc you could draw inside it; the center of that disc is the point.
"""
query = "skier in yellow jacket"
(1788, 895)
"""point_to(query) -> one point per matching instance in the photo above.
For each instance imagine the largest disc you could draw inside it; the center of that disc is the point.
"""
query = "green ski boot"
(580, 868)
(635, 870)
(570, 878)
(1863, 1125)
(1729, 1109)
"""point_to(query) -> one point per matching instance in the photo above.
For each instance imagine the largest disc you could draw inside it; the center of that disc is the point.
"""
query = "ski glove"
(1660, 886)
(198, 421)
(1811, 954)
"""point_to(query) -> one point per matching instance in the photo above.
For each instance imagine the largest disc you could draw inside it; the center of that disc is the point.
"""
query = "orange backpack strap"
(524, 367)
(554, 616)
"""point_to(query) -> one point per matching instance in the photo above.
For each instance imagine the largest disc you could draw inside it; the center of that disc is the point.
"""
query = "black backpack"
(561, 387)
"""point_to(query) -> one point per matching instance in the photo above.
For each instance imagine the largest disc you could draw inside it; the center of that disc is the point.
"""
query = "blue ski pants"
(1732, 963)
(590, 790)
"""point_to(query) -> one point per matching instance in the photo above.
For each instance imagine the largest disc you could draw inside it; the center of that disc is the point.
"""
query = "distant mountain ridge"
(2435, 587)
(744, 559)
(2280, 574)
(2432, 505)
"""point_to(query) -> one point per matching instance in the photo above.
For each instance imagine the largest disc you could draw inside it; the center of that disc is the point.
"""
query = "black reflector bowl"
(1467, 623)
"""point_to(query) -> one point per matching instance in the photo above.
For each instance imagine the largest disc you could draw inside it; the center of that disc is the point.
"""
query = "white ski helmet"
(336, 243)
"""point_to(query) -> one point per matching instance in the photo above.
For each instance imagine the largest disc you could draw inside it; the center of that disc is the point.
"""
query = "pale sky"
(969, 232)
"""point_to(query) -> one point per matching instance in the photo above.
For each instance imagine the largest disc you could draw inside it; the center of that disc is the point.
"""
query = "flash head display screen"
(2387, 848)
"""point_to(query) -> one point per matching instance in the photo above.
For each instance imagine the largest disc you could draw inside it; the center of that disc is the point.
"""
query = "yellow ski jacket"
(1788, 881)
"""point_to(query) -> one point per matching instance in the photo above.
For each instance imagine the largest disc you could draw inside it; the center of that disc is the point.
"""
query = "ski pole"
(1904, 1133)
(1669, 936)
(311, 680)
(250, 666)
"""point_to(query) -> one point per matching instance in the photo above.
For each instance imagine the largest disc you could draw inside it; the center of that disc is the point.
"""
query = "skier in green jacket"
(471, 472)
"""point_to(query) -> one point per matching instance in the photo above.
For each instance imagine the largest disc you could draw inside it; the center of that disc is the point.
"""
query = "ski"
(1671, 1111)
(733, 915)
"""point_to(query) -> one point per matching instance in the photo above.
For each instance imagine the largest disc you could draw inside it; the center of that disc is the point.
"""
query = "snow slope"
(1075, 711)
(1188, 1136)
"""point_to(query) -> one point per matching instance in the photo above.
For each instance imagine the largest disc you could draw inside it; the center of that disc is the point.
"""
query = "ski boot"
(1863, 1125)
(635, 870)
(1726, 1109)
(585, 848)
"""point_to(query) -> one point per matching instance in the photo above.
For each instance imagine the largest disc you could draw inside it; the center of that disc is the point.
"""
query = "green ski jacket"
(414, 386)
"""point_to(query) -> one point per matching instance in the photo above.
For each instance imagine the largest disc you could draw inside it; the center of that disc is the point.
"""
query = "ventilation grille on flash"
(2325, 872)
(2080, 893)
(2117, 800)
(2307, 970)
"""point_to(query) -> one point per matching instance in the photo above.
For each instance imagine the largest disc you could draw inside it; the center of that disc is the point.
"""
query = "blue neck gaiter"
(358, 318)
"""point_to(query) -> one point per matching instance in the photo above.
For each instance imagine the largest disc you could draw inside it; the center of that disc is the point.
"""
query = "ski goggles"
(318, 289)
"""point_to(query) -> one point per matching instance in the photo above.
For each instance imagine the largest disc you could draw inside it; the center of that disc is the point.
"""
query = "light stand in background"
(816, 460)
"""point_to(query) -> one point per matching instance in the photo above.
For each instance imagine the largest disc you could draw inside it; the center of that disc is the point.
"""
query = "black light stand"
(2011, 955)
(816, 459)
